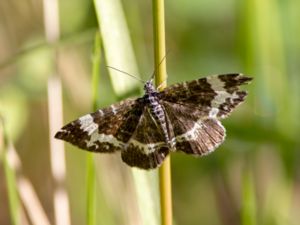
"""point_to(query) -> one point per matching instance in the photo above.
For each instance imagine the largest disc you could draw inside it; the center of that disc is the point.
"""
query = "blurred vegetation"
(253, 178)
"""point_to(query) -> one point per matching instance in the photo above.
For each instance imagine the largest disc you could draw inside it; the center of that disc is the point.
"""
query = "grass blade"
(248, 199)
(13, 198)
(91, 173)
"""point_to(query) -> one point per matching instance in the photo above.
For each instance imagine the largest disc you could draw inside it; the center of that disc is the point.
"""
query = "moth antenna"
(156, 68)
(121, 71)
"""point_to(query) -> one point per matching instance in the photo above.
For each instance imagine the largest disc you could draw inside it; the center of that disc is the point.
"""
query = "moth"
(183, 117)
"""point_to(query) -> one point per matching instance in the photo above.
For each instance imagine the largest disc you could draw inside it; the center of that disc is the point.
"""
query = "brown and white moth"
(183, 117)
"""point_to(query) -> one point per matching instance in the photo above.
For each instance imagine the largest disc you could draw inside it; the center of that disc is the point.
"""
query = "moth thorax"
(149, 87)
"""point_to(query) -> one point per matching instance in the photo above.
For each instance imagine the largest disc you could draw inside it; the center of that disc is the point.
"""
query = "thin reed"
(161, 80)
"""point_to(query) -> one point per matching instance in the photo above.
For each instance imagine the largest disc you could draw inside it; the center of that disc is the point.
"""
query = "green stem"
(160, 80)
(249, 204)
(90, 190)
(91, 177)
(10, 175)
(165, 192)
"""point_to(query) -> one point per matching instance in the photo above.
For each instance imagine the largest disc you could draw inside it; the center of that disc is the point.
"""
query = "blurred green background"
(253, 178)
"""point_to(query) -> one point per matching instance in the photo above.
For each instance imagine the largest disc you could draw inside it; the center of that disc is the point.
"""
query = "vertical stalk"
(248, 216)
(55, 117)
(90, 189)
(10, 176)
(160, 80)
(91, 173)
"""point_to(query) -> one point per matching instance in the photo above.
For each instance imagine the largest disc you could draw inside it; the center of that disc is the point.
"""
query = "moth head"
(149, 87)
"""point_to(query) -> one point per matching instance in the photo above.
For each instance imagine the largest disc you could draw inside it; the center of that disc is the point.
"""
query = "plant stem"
(248, 215)
(165, 192)
(159, 42)
(160, 80)
(91, 173)
(10, 176)
(90, 189)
